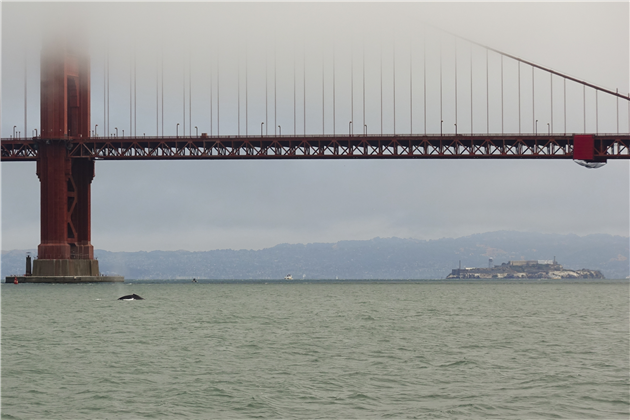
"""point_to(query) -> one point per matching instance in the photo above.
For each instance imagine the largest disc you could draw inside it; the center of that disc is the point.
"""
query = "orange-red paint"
(65, 181)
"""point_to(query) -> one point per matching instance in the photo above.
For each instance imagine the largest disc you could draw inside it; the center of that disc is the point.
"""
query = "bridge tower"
(65, 248)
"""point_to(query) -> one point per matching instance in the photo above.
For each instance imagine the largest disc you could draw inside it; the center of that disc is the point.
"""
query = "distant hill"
(378, 258)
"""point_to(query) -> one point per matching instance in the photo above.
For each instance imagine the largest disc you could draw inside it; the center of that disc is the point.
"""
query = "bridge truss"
(589, 147)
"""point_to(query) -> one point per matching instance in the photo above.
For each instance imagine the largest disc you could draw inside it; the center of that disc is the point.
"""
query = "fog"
(226, 68)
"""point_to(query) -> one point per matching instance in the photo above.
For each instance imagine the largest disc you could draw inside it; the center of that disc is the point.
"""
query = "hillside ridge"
(377, 258)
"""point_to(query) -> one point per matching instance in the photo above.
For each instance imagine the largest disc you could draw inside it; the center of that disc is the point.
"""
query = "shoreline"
(351, 281)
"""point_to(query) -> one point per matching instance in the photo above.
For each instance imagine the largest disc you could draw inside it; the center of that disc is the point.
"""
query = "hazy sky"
(204, 205)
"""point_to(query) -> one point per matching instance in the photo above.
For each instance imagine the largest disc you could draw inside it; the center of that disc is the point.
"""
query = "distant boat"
(288, 277)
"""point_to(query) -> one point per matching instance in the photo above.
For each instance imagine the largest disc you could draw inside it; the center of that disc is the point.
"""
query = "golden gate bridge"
(66, 144)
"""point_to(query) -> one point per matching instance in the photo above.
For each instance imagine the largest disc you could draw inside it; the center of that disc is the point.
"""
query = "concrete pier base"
(65, 268)
(65, 279)
(65, 271)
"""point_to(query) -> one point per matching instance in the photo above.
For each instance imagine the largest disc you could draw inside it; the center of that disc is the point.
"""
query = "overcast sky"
(205, 205)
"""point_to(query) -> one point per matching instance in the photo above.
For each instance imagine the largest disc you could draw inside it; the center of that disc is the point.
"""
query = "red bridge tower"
(65, 249)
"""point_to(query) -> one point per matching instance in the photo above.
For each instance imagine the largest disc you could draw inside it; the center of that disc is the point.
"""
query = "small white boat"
(288, 277)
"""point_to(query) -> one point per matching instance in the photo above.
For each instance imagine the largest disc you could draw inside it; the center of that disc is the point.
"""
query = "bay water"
(509, 350)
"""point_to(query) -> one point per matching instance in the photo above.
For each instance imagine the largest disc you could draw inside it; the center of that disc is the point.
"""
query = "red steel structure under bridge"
(589, 148)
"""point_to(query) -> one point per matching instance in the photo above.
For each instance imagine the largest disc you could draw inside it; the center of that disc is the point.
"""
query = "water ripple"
(461, 351)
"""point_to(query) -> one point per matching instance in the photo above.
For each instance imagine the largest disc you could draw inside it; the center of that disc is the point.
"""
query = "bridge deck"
(478, 146)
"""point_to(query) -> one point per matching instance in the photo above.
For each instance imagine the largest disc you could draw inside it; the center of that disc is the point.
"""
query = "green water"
(422, 350)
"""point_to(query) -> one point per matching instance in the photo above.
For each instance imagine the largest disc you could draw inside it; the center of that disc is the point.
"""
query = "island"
(536, 269)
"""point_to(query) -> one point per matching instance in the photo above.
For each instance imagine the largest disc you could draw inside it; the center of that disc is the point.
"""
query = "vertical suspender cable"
(471, 93)
(189, 93)
(184, 94)
(410, 85)
(135, 97)
(162, 84)
(441, 117)
(275, 86)
(162, 88)
(211, 98)
(617, 91)
(294, 122)
(519, 97)
(534, 128)
(381, 88)
(364, 85)
(502, 116)
(105, 92)
(130, 96)
(551, 87)
(584, 98)
(304, 83)
(218, 96)
(157, 99)
(25, 100)
(596, 113)
(352, 86)
(266, 94)
(487, 96)
(394, 80)
(565, 105)
(424, 75)
(247, 91)
(108, 92)
(455, 85)
(238, 95)
(323, 96)
(334, 98)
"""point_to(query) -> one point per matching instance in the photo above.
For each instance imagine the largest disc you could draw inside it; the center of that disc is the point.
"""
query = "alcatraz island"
(537, 269)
